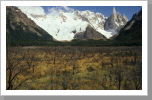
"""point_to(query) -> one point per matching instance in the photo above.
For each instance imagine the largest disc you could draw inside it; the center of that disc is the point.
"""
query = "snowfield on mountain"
(65, 25)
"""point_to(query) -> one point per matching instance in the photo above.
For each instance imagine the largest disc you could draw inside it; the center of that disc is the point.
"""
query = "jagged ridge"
(132, 30)
(65, 25)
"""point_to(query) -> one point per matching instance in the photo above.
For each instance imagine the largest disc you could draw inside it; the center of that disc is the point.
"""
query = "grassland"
(74, 68)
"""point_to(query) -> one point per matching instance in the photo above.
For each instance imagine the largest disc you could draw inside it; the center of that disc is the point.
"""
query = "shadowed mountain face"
(20, 28)
(132, 30)
(90, 33)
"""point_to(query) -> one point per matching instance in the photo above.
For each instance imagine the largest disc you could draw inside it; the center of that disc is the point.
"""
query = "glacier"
(64, 25)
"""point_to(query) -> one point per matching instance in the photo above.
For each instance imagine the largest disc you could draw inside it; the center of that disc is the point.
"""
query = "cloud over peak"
(38, 10)
(56, 10)
(68, 9)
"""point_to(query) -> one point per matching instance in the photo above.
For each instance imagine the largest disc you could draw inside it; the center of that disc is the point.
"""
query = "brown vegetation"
(74, 68)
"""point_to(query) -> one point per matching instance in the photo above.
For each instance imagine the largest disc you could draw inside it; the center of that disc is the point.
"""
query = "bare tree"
(31, 61)
(14, 69)
(137, 76)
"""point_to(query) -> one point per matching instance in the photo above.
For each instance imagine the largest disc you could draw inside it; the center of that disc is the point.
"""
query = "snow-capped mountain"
(65, 25)
(115, 22)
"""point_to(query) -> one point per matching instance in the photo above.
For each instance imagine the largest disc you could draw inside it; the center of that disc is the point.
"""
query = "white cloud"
(56, 10)
(53, 11)
(32, 10)
(68, 9)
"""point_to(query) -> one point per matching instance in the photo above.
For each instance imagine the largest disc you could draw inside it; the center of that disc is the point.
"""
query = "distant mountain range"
(65, 25)
(24, 26)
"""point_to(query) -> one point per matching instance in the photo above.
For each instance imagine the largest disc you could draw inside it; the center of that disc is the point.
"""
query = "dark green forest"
(78, 42)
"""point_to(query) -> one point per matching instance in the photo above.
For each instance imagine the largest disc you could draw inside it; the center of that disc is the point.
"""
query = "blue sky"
(105, 10)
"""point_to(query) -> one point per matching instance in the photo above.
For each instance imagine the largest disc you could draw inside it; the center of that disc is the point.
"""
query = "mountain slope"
(132, 30)
(89, 33)
(20, 28)
(65, 25)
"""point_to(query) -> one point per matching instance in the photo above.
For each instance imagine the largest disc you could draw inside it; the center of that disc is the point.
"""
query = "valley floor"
(74, 68)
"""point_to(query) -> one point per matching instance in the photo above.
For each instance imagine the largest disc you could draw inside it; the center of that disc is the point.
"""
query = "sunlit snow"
(63, 24)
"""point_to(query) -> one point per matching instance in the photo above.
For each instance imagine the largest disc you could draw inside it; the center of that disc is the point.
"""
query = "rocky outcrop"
(63, 17)
(132, 30)
(90, 33)
(65, 25)
(20, 27)
(115, 22)
(96, 20)
(136, 17)
(38, 16)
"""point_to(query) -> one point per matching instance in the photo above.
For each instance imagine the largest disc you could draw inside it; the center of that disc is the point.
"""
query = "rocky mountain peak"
(114, 13)
(62, 25)
(132, 30)
(115, 22)
(137, 16)
(89, 33)
(63, 17)
(114, 10)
